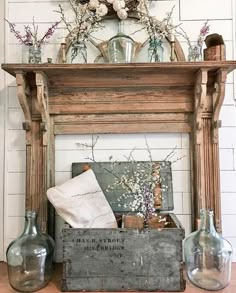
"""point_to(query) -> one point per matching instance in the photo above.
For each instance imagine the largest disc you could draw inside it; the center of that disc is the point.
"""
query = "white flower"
(122, 14)
(93, 4)
(102, 10)
(118, 5)
(110, 1)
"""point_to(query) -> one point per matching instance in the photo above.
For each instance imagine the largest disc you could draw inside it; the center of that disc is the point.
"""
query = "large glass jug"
(121, 47)
(30, 257)
(208, 256)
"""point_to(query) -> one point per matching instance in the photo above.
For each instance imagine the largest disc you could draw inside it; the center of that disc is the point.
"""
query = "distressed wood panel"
(119, 118)
(123, 127)
(122, 123)
(155, 264)
(121, 100)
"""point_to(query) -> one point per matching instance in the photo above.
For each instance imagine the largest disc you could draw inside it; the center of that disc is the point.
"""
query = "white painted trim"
(2, 127)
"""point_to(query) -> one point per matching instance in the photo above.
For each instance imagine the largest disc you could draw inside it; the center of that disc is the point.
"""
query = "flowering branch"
(31, 34)
(156, 29)
(203, 32)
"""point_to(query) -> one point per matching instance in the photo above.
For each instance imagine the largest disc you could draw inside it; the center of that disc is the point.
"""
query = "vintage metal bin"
(124, 259)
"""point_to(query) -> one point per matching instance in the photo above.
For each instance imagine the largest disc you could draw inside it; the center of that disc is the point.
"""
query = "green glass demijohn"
(30, 257)
(208, 256)
(121, 48)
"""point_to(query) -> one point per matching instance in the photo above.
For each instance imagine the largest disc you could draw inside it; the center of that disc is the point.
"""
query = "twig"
(178, 159)
(148, 149)
(183, 33)
(170, 154)
(63, 18)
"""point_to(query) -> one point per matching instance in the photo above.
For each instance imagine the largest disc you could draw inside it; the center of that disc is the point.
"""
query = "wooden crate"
(124, 259)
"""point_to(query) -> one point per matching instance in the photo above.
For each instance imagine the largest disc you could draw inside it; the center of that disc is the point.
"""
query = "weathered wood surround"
(122, 98)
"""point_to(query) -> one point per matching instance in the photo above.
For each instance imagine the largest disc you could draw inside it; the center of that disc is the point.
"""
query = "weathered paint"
(123, 259)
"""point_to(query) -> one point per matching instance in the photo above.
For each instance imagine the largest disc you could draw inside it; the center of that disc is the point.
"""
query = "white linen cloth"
(81, 202)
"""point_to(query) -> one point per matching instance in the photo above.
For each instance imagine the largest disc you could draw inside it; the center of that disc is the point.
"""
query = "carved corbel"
(42, 98)
(218, 98)
(23, 92)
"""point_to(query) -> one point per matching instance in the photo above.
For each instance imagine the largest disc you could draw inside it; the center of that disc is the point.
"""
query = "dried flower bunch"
(30, 36)
(156, 29)
(87, 16)
(202, 34)
(195, 49)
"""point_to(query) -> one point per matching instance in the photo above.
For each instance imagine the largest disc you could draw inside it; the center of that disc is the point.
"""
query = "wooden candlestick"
(63, 49)
(172, 52)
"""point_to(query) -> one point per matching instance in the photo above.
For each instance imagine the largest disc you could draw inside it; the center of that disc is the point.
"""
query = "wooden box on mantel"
(124, 259)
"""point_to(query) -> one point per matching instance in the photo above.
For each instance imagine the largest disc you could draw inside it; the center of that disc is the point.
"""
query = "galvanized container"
(124, 259)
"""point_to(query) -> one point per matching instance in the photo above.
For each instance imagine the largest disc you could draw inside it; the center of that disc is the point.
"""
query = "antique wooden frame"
(122, 98)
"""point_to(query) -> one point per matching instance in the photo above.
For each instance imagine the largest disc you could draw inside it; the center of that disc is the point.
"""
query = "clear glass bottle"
(121, 47)
(195, 52)
(30, 258)
(78, 52)
(155, 50)
(34, 54)
(208, 256)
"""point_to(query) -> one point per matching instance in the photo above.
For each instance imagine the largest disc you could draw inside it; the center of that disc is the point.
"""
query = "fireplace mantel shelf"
(186, 72)
(190, 66)
(122, 98)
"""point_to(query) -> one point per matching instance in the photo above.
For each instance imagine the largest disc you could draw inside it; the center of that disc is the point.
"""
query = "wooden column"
(208, 101)
(33, 98)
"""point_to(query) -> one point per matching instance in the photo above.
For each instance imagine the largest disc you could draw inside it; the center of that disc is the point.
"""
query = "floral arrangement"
(195, 51)
(30, 36)
(156, 29)
(142, 182)
(87, 17)
(205, 29)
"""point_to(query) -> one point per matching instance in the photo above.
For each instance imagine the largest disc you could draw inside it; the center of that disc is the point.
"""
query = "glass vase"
(34, 54)
(195, 52)
(30, 258)
(155, 50)
(121, 47)
(208, 256)
(78, 52)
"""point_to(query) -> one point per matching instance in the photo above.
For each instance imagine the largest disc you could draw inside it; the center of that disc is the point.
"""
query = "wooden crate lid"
(105, 179)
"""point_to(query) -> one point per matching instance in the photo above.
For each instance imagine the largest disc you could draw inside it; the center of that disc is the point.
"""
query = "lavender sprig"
(203, 32)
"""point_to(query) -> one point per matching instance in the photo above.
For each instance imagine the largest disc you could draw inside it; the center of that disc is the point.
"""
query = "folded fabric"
(81, 202)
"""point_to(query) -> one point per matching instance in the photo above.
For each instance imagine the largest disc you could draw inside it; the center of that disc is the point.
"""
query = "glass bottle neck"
(30, 224)
(121, 27)
(207, 221)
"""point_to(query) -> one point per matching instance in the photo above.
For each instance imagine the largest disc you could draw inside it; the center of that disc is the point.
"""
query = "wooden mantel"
(122, 98)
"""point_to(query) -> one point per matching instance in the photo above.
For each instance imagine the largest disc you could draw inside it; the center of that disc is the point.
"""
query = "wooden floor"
(54, 285)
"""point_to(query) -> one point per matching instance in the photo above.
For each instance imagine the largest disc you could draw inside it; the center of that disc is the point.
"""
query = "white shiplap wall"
(192, 14)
